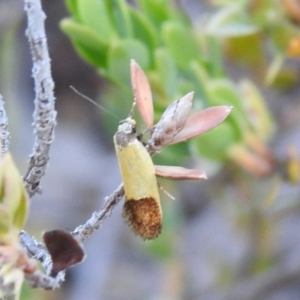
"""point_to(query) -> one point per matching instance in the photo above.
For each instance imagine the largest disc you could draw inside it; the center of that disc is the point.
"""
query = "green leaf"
(167, 71)
(281, 34)
(274, 68)
(5, 220)
(21, 212)
(119, 56)
(172, 155)
(96, 15)
(235, 29)
(201, 79)
(215, 143)
(14, 192)
(11, 182)
(231, 21)
(260, 117)
(223, 88)
(87, 42)
(72, 7)
(222, 92)
(238, 49)
(121, 15)
(144, 30)
(181, 43)
(157, 11)
(214, 56)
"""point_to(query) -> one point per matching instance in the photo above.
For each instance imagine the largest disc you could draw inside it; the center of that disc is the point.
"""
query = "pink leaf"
(142, 93)
(179, 173)
(202, 122)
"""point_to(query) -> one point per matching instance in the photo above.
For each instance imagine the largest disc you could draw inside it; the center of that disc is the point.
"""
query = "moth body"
(142, 209)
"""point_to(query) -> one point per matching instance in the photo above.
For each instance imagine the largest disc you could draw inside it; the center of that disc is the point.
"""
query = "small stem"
(4, 133)
(44, 113)
(38, 251)
(82, 232)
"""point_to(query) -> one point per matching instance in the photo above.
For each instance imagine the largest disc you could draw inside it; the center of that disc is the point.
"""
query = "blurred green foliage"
(13, 213)
(13, 201)
(176, 58)
(260, 34)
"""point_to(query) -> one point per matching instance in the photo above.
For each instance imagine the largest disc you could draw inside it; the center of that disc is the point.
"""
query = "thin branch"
(40, 280)
(44, 113)
(38, 251)
(4, 133)
(82, 232)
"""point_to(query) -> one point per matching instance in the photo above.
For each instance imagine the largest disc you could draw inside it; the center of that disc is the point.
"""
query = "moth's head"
(127, 126)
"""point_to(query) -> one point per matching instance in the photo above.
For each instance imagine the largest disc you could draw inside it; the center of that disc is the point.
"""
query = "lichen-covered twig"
(83, 231)
(38, 251)
(41, 280)
(44, 113)
(4, 134)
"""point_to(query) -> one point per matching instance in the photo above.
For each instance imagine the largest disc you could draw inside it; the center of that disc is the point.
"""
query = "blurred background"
(234, 236)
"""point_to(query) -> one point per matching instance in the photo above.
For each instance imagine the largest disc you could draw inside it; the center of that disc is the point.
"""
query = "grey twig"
(38, 251)
(44, 123)
(44, 113)
(82, 232)
(4, 134)
(40, 280)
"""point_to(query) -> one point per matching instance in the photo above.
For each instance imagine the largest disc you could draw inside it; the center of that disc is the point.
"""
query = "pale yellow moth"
(142, 209)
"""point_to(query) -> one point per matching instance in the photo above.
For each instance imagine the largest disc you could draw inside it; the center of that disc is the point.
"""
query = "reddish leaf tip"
(202, 121)
(142, 93)
(179, 173)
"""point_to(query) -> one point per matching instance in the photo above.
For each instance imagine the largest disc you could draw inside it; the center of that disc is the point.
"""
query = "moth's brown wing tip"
(144, 217)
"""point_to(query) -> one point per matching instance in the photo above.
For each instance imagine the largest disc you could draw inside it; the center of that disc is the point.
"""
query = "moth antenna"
(166, 193)
(95, 103)
(132, 109)
(148, 130)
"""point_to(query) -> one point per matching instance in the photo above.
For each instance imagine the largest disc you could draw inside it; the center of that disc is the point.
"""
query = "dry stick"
(44, 123)
(44, 116)
(37, 250)
(4, 133)
(82, 232)
(40, 280)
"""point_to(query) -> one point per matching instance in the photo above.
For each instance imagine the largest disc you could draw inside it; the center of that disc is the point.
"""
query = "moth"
(142, 208)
